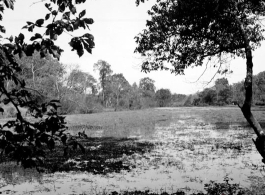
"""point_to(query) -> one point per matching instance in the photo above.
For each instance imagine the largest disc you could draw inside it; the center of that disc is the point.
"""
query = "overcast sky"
(117, 22)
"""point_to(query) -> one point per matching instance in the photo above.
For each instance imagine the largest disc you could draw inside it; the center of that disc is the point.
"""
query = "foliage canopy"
(24, 139)
(185, 33)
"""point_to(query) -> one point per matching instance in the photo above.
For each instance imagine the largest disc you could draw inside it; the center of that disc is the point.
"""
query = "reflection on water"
(188, 153)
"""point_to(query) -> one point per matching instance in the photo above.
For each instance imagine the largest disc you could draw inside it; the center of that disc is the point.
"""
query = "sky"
(116, 23)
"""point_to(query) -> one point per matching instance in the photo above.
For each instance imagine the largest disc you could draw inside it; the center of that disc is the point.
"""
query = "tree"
(178, 99)
(147, 89)
(42, 75)
(223, 91)
(208, 96)
(259, 88)
(80, 81)
(163, 97)
(188, 33)
(119, 86)
(134, 97)
(238, 93)
(104, 75)
(24, 140)
(147, 86)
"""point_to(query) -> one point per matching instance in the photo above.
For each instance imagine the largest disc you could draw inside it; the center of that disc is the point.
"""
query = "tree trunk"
(246, 108)
(33, 75)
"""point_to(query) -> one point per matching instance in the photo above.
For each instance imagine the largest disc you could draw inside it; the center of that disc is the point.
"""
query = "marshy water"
(189, 149)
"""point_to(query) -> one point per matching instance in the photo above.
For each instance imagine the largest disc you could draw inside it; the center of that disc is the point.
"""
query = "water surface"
(190, 149)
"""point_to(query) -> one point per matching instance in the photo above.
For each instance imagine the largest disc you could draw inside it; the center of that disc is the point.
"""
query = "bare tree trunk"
(33, 75)
(57, 88)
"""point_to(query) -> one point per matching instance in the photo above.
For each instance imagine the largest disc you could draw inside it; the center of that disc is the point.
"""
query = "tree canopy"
(184, 34)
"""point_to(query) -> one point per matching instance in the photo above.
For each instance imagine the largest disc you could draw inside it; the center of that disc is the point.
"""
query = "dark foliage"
(29, 140)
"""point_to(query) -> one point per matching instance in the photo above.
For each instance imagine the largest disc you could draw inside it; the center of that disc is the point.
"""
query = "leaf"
(25, 27)
(69, 28)
(89, 36)
(73, 10)
(11, 38)
(76, 24)
(88, 20)
(29, 50)
(2, 29)
(10, 46)
(48, 6)
(20, 38)
(9, 3)
(47, 16)
(80, 51)
(36, 36)
(54, 12)
(30, 29)
(79, 1)
(39, 22)
(30, 23)
(88, 49)
(1, 109)
(82, 13)
(66, 16)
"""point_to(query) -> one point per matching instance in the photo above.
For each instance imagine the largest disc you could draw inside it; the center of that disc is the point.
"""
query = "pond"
(185, 151)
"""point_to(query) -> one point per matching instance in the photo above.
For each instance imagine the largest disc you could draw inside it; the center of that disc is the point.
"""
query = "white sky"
(117, 22)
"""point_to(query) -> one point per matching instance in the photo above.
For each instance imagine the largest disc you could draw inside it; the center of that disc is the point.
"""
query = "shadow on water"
(103, 155)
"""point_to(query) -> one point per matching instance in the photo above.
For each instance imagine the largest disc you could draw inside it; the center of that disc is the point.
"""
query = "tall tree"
(163, 97)
(147, 86)
(105, 72)
(80, 81)
(238, 92)
(21, 139)
(119, 86)
(147, 89)
(188, 33)
(223, 91)
(259, 88)
(134, 97)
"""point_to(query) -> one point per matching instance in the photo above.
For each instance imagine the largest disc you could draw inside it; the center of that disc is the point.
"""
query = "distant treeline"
(80, 92)
(224, 94)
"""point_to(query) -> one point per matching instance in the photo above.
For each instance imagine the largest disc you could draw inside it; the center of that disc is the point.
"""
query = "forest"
(81, 93)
